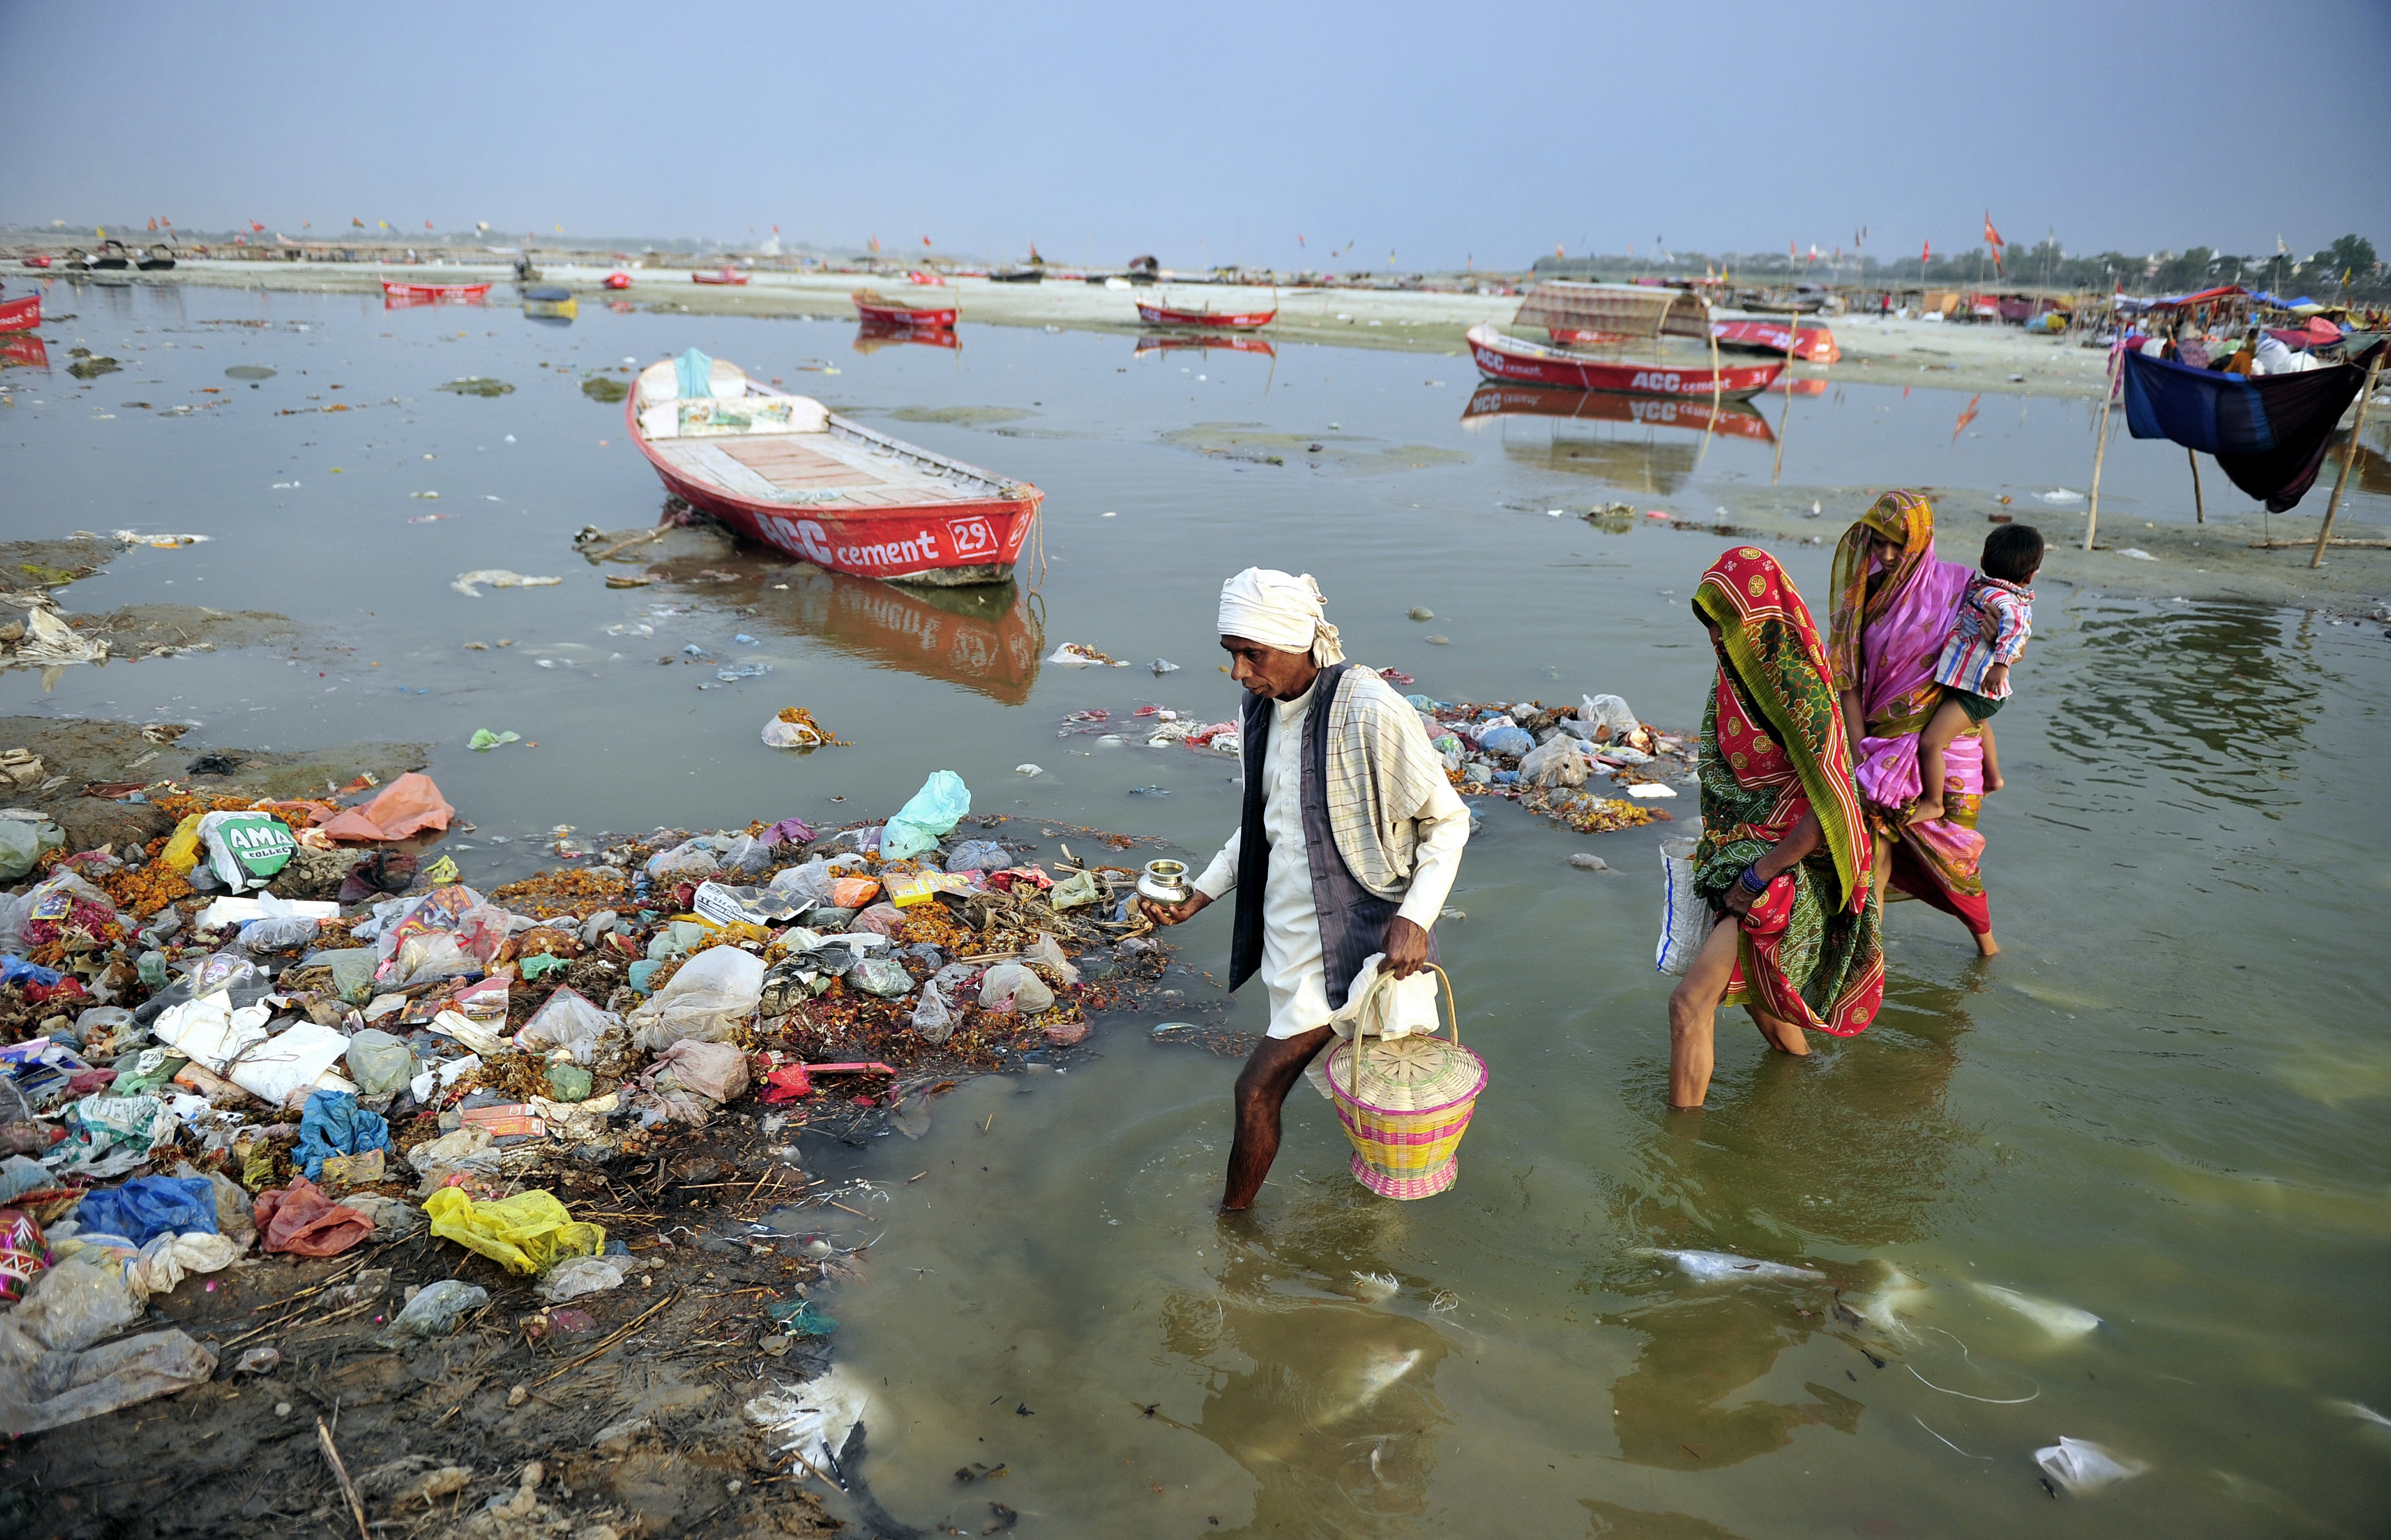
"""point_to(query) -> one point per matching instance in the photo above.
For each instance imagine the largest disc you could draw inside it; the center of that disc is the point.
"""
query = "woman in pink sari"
(1893, 609)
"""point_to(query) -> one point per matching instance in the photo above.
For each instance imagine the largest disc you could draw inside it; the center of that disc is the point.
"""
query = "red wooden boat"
(618, 280)
(39, 259)
(782, 470)
(1155, 313)
(22, 314)
(872, 336)
(1814, 343)
(720, 274)
(435, 293)
(1738, 419)
(877, 309)
(1518, 360)
(932, 280)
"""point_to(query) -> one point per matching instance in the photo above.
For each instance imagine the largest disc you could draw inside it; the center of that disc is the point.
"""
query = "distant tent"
(2268, 432)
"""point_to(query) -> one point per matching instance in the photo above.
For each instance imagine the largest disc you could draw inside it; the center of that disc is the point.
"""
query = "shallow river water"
(2163, 1104)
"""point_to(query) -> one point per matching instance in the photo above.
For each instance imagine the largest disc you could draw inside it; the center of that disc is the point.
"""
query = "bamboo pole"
(2199, 509)
(2093, 520)
(2365, 400)
(1783, 419)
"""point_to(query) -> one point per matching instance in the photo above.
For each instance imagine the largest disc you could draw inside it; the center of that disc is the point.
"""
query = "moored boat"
(877, 309)
(720, 274)
(1518, 360)
(618, 280)
(434, 294)
(1156, 312)
(22, 314)
(39, 259)
(784, 470)
(1813, 345)
(154, 259)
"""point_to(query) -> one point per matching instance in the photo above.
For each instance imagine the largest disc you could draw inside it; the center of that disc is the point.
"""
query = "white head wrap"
(1279, 611)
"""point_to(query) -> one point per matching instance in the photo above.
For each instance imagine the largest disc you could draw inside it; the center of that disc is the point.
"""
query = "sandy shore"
(1992, 360)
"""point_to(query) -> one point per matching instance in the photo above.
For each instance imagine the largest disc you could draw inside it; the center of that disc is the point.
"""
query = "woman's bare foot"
(1986, 946)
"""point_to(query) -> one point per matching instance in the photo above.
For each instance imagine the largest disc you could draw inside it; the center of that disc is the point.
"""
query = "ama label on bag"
(246, 851)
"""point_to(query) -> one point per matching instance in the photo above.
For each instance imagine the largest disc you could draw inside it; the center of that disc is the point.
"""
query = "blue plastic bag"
(16, 970)
(932, 815)
(1513, 741)
(147, 1207)
(334, 1124)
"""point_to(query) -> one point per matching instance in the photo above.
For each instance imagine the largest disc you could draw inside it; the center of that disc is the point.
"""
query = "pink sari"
(1939, 862)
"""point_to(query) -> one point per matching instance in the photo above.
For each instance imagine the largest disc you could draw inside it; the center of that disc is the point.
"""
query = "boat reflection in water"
(987, 638)
(872, 336)
(1638, 443)
(1176, 342)
(23, 352)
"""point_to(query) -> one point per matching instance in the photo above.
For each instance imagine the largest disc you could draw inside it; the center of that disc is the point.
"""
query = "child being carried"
(1988, 635)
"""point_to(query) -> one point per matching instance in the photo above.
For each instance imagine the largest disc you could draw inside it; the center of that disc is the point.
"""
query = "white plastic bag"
(68, 1387)
(1605, 717)
(575, 1276)
(707, 999)
(692, 860)
(1009, 985)
(1555, 763)
(931, 1017)
(568, 1020)
(287, 1068)
(2081, 1467)
(1685, 916)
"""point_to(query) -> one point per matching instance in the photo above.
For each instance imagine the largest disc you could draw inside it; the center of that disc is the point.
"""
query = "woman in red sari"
(1785, 853)
(1894, 602)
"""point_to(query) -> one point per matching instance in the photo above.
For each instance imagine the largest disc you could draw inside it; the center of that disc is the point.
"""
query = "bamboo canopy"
(1622, 311)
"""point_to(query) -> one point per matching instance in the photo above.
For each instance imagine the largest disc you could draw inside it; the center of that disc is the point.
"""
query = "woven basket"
(1404, 1104)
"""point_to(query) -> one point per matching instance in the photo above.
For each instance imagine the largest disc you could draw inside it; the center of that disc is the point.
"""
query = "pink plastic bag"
(407, 806)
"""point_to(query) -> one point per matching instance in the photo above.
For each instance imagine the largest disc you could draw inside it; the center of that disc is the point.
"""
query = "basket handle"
(1452, 1012)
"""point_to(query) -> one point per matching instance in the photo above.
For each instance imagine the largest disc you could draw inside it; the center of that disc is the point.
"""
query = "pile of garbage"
(1544, 757)
(281, 1030)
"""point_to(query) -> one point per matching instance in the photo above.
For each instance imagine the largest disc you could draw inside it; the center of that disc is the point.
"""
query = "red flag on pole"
(1991, 235)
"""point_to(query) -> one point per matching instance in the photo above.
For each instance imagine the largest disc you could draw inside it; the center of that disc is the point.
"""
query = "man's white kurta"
(1292, 968)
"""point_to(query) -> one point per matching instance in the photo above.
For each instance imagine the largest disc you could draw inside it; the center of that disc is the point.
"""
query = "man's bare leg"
(1693, 1015)
(1262, 1086)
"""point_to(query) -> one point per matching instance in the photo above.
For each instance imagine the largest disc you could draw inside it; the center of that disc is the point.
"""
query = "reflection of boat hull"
(1172, 343)
(985, 639)
(1811, 343)
(550, 305)
(435, 293)
(875, 310)
(24, 353)
(870, 336)
(1518, 360)
(722, 276)
(1218, 320)
(21, 315)
(1735, 418)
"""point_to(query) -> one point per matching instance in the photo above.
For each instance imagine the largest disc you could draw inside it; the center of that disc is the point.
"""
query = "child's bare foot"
(1926, 810)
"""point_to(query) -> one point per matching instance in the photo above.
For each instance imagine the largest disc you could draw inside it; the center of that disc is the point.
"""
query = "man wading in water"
(1349, 842)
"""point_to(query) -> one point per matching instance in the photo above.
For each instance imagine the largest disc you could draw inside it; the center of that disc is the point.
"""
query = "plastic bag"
(806, 885)
(24, 1256)
(334, 1124)
(932, 1019)
(1011, 987)
(280, 933)
(1073, 891)
(2081, 1467)
(1685, 916)
(528, 1233)
(246, 849)
(1512, 741)
(928, 818)
(167, 1260)
(67, 1387)
(576, 1276)
(692, 860)
(75, 1304)
(717, 1071)
(569, 1020)
(300, 1220)
(21, 844)
(880, 976)
(1553, 763)
(1606, 717)
(747, 856)
(727, 905)
(285, 1067)
(881, 919)
(1047, 952)
(407, 806)
(434, 1311)
(977, 855)
(852, 892)
(380, 1063)
(147, 1207)
(707, 999)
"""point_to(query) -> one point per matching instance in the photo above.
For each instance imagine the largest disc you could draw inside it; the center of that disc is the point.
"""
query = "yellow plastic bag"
(182, 851)
(528, 1233)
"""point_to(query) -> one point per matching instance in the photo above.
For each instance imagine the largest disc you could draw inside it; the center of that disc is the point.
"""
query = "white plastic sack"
(1607, 717)
(568, 1020)
(1555, 763)
(1047, 952)
(932, 1018)
(2081, 1467)
(210, 1031)
(575, 1276)
(707, 1000)
(246, 849)
(1685, 916)
(1009, 985)
(287, 1068)
(169, 1258)
(692, 860)
(68, 1387)
(1394, 1009)
(807, 885)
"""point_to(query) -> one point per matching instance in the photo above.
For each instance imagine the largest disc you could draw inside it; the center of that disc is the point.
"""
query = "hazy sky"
(1224, 131)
